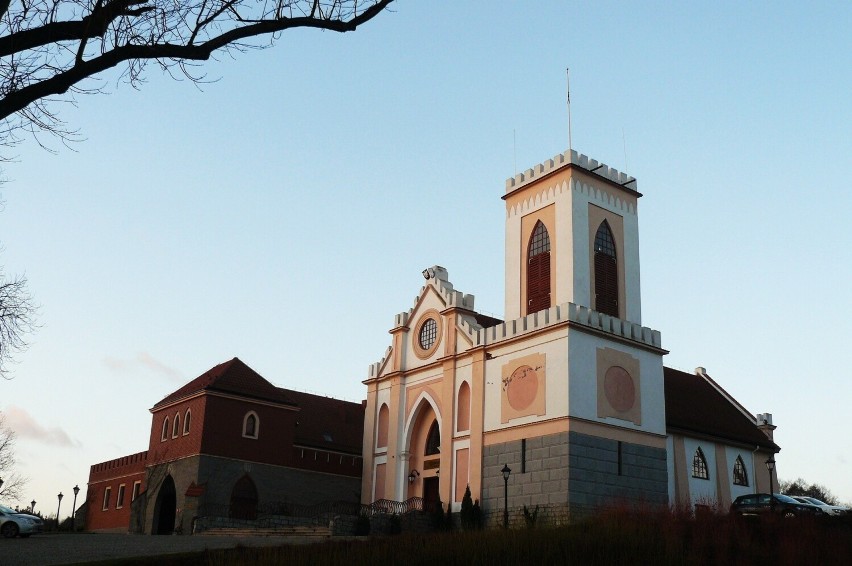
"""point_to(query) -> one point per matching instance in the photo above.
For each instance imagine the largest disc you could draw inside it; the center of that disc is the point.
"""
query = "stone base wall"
(595, 481)
(570, 474)
(219, 475)
(542, 481)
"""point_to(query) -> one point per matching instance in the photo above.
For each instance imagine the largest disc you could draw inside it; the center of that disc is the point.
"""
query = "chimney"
(764, 423)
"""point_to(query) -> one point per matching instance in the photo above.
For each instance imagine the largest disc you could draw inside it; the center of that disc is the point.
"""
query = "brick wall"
(113, 515)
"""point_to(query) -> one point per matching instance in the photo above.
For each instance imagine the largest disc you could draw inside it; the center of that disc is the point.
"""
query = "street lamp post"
(506, 471)
(32, 506)
(58, 505)
(74, 509)
(770, 465)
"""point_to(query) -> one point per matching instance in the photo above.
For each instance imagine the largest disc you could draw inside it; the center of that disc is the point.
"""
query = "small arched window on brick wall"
(176, 426)
(187, 418)
(538, 269)
(606, 271)
(165, 434)
(251, 425)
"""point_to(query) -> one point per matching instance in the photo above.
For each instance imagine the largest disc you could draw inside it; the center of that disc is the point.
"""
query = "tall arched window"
(176, 426)
(699, 465)
(251, 425)
(186, 420)
(165, 433)
(463, 408)
(538, 269)
(382, 432)
(740, 474)
(606, 271)
(433, 440)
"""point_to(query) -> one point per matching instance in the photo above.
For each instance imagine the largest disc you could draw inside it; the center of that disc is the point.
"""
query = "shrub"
(530, 518)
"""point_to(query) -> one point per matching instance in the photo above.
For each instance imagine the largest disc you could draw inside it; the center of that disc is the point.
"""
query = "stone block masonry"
(578, 471)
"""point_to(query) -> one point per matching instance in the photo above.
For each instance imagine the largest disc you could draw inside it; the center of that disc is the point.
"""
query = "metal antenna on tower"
(568, 93)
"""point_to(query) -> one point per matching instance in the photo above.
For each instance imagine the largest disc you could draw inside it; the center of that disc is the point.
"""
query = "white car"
(14, 523)
(826, 508)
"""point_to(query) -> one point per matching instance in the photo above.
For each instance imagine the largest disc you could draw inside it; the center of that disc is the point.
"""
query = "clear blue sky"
(283, 213)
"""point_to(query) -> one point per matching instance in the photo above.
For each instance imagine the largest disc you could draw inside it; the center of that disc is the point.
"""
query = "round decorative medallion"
(522, 387)
(619, 389)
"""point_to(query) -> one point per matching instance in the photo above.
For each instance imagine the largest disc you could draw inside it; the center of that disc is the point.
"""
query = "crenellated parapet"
(548, 194)
(570, 158)
(375, 369)
(438, 280)
(572, 313)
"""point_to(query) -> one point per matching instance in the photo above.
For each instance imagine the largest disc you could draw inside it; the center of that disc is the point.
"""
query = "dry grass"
(614, 537)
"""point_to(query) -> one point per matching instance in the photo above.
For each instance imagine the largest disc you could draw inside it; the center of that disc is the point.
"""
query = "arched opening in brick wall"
(244, 500)
(165, 508)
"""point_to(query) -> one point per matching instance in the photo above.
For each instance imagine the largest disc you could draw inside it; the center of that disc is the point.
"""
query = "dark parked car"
(761, 503)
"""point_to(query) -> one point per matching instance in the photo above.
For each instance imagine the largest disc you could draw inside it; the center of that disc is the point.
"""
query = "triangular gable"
(437, 294)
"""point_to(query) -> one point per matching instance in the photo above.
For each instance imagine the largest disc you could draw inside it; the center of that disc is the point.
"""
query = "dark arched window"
(250, 425)
(243, 500)
(433, 440)
(740, 474)
(538, 270)
(606, 271)
(165, 434)
(186, 420)
(699, 465)
(176, 426)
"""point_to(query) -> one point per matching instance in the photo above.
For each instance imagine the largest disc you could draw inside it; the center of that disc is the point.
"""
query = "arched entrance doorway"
(165, 508)
(424, 446)
(244, 500)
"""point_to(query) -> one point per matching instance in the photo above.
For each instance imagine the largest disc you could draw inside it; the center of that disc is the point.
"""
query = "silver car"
(826, 508)
(14, 523)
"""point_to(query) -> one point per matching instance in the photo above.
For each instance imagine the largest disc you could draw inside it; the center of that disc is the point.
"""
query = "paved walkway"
(50, 549)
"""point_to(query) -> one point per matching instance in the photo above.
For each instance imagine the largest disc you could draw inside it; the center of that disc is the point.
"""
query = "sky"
(283, 211)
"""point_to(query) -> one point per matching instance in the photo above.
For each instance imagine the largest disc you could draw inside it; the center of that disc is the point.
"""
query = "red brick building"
(230, 443)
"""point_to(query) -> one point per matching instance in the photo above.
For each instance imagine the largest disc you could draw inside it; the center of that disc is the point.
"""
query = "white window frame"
(119, 499)
(256, 425)
(107, 494)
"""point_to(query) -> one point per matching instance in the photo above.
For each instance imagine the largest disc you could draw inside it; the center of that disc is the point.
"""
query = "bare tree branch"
(17, 318)
(51, 47)
(13, 483)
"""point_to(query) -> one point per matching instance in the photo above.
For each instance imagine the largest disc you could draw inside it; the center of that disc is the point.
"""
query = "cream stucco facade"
(573, 399)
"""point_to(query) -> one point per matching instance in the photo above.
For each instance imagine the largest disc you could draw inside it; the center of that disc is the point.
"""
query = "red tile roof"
(233, 377)
(323, 422)
(329, 424)
(694, 405)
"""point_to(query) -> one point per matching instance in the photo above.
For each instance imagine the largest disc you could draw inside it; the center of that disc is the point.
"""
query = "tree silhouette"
(51, 49)
(13, 483)
(17, 319)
